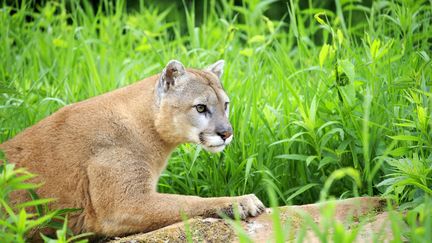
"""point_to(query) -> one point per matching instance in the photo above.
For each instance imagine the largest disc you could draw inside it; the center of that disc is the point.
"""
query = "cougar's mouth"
(215, 147)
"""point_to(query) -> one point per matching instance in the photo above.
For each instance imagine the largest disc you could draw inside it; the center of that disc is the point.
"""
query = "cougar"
(105, 154)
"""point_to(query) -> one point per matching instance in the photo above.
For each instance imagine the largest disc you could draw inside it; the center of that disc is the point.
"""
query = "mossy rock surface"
(349, 212)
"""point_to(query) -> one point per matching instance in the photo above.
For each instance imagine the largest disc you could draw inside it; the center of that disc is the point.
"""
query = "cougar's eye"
(226, 105)
(201, 108)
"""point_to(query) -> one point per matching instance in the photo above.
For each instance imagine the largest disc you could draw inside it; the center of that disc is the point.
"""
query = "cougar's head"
(193, 107)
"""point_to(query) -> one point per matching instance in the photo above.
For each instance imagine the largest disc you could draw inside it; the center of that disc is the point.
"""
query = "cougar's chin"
(214, 149)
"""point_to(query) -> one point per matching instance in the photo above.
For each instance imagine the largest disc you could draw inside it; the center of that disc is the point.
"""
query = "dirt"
(349, 212)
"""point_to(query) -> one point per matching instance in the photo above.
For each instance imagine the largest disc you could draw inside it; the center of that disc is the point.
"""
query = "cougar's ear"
(217, 68)
(170, 73)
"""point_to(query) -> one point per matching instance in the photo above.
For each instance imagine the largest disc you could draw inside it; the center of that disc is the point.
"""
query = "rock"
(348, 212)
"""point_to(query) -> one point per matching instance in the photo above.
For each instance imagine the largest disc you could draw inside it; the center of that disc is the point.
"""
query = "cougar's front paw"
(247, 205)
(250, 205)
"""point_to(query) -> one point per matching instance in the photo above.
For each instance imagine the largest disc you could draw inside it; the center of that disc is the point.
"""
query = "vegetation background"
(329, 98)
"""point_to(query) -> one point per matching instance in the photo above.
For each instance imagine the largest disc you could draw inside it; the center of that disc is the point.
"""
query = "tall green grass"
(313, 93)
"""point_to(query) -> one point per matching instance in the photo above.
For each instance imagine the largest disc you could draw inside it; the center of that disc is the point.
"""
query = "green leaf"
(405, 138)
(388, 181)
(77, 237)
(54, 224)
(312, 112)
(325, 161)
(310, 159)
(374, 48)
(422, 117)
(21, 222)
(8, 210)
(36, 202)
(34, 196)
(65, 211)
(319, 19)
(257, 39)
(348, 94)
(41, 220)
(323, 54)
(340, 36)
(247, 171)
(292, 138)
(301, 190)
(270, 25)
(247, 52)
(47, 239)
(293, 157)
(347, 68)
(399, 151)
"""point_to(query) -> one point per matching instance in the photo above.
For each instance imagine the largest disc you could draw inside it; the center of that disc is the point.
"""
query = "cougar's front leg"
(160, 210)
(124, 201)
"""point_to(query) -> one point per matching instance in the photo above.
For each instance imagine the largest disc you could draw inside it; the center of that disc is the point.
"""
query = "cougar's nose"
(225, 132)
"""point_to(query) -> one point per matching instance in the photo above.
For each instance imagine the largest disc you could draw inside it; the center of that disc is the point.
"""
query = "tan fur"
(105, 154)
